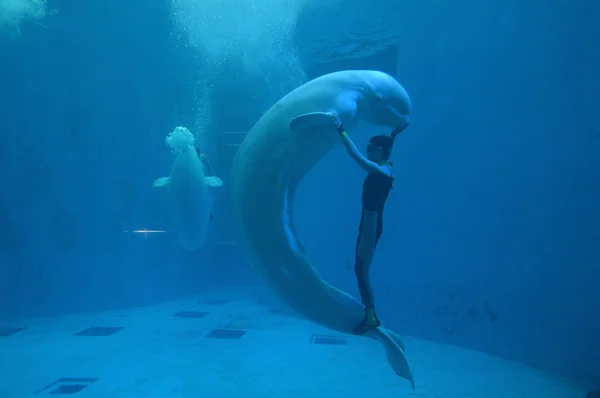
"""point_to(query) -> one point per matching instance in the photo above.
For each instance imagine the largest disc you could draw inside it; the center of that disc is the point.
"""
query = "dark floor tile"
(226, 334)
(67, 385)
(5, 332)
(328, 340)
(99, 331)
(213, 301)
(191, 314)
(68, 389)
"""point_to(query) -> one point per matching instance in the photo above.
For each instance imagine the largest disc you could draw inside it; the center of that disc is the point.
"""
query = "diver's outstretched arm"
(354, 153)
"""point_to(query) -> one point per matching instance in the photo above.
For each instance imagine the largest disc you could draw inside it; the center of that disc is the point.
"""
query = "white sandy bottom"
(158, 355)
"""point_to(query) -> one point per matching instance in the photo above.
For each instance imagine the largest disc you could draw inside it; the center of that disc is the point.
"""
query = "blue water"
(491, 234)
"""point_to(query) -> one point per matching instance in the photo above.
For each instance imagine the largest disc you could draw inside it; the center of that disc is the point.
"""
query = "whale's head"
(385, 102)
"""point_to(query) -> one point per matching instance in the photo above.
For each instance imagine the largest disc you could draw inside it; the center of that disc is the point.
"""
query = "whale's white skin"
(190, 201)
(284, 144)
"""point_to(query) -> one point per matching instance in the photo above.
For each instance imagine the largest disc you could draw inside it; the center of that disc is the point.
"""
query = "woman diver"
(376, 188)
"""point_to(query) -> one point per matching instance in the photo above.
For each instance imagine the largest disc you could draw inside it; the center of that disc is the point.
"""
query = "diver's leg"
(365, 251)
(362, 268)
(369, 253)
(362, 278)
(358, 264)
(359, 268)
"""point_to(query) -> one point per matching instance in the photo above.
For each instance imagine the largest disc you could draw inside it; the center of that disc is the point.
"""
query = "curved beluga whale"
(284, 144)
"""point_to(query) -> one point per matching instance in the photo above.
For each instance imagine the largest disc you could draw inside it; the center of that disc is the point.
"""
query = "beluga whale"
(190, 201)
(284, 144)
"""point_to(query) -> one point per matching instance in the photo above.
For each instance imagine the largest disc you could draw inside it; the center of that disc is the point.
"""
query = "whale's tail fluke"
(394, 352)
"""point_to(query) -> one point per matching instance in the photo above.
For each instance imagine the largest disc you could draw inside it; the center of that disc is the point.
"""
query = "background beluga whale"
(190, 201)
(284, 144)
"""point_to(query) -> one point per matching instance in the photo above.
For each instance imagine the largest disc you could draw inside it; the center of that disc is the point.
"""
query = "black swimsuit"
(376, 189)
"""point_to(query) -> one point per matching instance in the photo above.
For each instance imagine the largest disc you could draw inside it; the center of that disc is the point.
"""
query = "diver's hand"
(338, 122)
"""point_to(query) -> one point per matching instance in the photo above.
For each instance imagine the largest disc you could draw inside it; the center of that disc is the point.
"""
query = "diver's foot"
(365, 326)
(212, 216)
(370, 322)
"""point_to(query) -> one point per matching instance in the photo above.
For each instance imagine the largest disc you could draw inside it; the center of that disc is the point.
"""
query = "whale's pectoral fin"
(213, 181)
(395, 354)
(312, 120)
(161, 182)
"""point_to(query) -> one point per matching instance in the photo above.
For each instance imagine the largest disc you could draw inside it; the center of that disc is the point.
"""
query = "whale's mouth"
(389, 115)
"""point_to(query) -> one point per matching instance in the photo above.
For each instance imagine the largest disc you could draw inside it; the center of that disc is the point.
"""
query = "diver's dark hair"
(384, 142)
